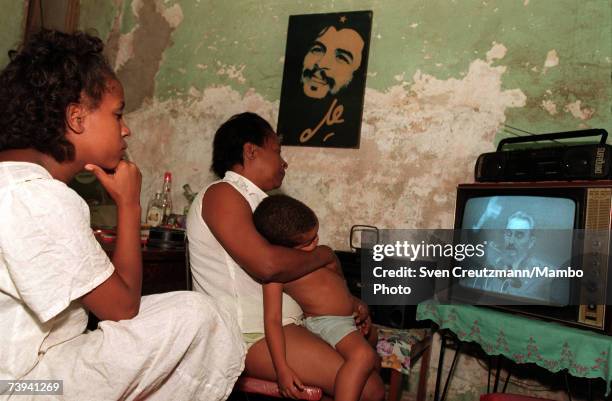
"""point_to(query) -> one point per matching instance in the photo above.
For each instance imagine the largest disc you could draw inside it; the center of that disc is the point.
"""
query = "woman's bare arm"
(230, 219)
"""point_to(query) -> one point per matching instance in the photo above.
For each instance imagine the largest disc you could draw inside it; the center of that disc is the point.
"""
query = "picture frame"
(324, 79)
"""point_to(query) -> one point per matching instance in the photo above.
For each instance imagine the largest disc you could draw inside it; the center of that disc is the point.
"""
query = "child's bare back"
(322, 292)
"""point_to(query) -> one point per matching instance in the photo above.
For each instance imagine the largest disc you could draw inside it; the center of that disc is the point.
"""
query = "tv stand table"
(549, 345)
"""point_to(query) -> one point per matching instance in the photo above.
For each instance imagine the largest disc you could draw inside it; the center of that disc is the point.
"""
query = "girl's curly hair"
(43, 77)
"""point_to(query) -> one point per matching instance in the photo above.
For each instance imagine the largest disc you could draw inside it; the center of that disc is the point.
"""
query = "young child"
(61, 110)
(322, 295)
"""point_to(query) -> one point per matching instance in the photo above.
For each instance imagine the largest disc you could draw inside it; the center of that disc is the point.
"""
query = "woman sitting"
(230, 260)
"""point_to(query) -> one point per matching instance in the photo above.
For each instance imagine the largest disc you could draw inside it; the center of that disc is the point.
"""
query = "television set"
(571, 222)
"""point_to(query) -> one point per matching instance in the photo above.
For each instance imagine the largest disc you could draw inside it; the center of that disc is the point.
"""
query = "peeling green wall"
(440, 37)
(445, 81)
(11, 27)
(97, 16)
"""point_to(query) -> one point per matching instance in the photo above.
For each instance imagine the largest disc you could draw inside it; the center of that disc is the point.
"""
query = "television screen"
(520, 233)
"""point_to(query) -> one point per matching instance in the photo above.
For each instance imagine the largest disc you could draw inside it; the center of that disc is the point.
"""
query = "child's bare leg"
(314, 361)
(372, 336)
(359, 363)
(374, 389)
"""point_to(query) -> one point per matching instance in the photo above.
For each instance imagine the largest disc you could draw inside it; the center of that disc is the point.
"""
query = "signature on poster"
(333, 116)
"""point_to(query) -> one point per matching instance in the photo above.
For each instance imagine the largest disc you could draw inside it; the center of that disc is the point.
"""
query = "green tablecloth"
(550, 345)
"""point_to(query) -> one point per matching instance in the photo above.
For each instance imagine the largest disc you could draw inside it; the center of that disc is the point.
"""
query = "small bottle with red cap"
(167, 197)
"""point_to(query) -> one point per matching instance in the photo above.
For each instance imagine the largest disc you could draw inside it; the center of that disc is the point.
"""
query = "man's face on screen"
(518, 240)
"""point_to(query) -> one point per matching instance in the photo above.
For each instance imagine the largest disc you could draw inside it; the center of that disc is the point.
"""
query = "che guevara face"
(331, 61)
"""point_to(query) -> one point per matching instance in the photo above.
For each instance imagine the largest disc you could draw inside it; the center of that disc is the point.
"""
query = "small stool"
(509, 397)
(399, 349)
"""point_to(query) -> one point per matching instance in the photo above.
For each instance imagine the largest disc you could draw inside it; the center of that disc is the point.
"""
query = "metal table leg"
(441, 366)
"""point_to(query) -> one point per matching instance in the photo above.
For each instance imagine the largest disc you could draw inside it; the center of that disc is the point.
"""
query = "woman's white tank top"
(218, 275)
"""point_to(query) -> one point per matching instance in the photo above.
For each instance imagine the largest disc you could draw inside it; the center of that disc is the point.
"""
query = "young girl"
(61, 111)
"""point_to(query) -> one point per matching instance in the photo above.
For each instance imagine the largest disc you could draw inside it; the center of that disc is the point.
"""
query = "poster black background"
(298, 111)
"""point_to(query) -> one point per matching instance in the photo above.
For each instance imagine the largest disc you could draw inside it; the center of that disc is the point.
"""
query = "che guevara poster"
(324, 79)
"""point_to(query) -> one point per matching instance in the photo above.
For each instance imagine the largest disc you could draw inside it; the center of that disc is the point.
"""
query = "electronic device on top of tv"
(548, 157)
(574, 206)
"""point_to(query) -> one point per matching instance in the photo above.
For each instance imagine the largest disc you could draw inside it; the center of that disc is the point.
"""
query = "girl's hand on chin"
(123, 184)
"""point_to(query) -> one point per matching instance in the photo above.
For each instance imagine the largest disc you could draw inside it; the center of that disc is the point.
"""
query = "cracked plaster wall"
(443, 79)
(12, 23)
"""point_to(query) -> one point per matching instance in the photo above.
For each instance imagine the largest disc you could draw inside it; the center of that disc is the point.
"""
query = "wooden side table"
(163, 270)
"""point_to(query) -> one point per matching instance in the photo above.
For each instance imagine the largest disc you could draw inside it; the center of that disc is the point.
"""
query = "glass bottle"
(167, 197)
(189, 195)
(155, 211)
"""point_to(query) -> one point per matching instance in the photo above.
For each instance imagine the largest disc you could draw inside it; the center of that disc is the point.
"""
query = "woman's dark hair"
(282, 220)
(43, 77)
(231, 137)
